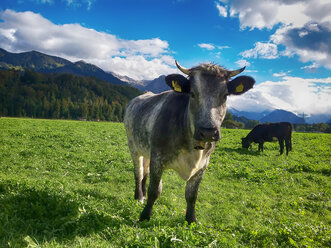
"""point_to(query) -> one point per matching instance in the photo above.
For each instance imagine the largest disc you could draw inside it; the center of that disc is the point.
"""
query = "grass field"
(70, 184)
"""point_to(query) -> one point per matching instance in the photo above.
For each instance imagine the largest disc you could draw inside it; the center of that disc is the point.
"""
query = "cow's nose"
(207, 134)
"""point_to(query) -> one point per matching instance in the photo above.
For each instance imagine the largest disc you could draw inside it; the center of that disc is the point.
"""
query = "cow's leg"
(154, 189)
(138, 175)
(191, 194)
(261, 145)
(146, 173)
(290, 142)
(281, 145)
(287, 145)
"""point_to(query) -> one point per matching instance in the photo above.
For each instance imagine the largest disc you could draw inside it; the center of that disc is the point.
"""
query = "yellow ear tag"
(176, 86)
(240, 88)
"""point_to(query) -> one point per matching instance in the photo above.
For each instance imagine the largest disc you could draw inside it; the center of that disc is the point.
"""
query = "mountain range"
(44, 63)
(277, 115)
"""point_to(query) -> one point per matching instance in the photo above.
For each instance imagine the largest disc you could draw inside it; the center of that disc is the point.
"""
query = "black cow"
(178, 129)
(266, 132)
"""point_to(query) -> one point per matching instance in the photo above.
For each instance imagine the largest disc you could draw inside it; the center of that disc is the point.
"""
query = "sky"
(284, 44)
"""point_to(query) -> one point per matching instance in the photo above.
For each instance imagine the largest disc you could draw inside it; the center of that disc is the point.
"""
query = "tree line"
(61, 96)
(235, 122)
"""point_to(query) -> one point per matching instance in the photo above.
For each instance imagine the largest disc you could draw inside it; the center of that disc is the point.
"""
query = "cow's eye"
(192, 94)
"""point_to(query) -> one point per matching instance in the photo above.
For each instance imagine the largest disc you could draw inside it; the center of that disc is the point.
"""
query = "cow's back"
(139, 119)
(269, 130)
(280, 129)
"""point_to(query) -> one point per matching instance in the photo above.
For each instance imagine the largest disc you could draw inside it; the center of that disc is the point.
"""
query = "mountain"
(156, 85)
(44, 63)
(319, 118)
(131, 81)
(33, 60)
(62, 96)
(279, 115)
(249, 115)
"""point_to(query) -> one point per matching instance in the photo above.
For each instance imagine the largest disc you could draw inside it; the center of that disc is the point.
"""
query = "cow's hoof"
(190, 220)
(143, 218)
(145, 215)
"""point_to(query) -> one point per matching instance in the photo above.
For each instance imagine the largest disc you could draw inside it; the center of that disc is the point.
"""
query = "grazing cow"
(266, 132)
(178, 129)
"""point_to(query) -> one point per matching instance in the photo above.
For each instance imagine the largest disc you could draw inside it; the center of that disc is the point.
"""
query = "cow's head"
(208, 86)
(245, 143)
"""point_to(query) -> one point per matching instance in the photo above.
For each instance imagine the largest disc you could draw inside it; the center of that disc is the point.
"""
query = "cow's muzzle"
(207, 134)
(203, 135)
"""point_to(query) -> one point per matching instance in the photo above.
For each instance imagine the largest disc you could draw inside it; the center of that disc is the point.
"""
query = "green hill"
(61, 96)
(33, 60)
(44, 63)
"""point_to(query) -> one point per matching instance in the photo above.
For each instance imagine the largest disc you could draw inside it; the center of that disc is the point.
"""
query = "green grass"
(71, 184)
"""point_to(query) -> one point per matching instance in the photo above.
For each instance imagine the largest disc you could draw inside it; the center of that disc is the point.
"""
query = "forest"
(61, 96)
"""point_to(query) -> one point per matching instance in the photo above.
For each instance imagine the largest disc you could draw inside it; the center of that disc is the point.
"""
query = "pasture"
(71, 184)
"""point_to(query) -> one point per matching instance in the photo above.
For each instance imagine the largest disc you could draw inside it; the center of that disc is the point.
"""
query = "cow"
(267, 132)
(178, 129)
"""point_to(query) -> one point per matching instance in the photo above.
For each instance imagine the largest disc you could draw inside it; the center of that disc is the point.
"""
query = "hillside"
(33, 60)
(279, 115)
(156, 85)
(249, 115)
(66, 96)
(41, 62)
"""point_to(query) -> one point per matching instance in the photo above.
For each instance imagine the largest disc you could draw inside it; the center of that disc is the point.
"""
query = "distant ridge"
(44, 63)
(279, 115)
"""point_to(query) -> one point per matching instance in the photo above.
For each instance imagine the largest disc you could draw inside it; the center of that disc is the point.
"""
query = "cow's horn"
(236, 72)
(182, 69)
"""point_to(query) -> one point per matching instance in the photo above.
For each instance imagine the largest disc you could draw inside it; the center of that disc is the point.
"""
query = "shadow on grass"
(241, 151)
(45, 216)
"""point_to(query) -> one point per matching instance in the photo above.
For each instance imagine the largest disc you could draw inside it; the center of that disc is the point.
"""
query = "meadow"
(71, 184)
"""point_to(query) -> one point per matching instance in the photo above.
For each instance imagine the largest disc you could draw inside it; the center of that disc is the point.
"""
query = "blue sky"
(285, 44)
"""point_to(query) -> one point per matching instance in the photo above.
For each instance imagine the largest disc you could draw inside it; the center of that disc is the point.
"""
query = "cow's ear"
(178, 83)
(240, 85)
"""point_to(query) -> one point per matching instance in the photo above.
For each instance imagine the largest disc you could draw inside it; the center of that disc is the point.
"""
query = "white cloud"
(210, 46)
(267, 14)
(78, 3)
(312, 42)
(311, 96)
(139, 67)
(207, 46)
(280, 74)
(262, 50)
(69, 3)
(303, 27)
(311, 67)
(140, 59)
(222, 10)
(222, 47)
(242, 63)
